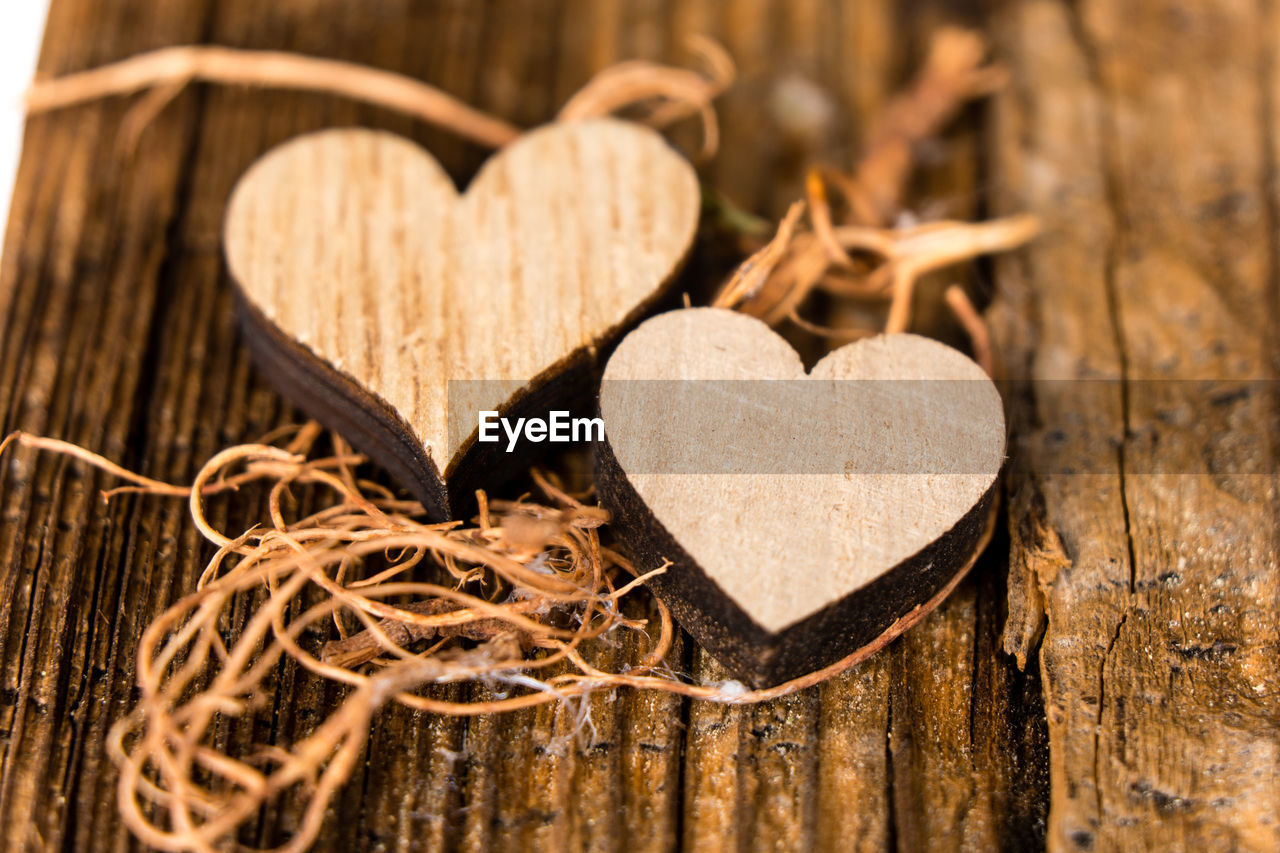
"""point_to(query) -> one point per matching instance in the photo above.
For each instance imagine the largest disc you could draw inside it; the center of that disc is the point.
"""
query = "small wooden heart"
(395, 310)
(806, 516)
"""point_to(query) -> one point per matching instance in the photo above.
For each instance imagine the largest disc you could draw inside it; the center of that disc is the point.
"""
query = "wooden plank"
(81, 290)
(404, 794)
(118, 334)
(1145, 136)
(537, 781)
(786, 775)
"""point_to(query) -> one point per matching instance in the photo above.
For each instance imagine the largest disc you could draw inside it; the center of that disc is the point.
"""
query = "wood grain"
(874, 470)
(374, 291)
(1142, 138)
(1154, 163)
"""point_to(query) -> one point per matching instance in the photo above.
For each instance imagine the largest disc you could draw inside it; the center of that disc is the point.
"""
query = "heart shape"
(806, 516)
(395, 310)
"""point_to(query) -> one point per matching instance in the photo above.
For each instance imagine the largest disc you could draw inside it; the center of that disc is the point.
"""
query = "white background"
(21, 25)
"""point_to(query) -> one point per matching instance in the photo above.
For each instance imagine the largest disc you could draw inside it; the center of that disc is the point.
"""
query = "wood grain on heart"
(806, 516)
(395, 310)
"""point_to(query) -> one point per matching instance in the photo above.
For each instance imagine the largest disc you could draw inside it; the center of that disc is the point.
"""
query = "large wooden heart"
(806, 516)
(395, 310)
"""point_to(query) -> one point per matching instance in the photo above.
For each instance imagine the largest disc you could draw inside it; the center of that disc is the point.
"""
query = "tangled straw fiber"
(363, 593)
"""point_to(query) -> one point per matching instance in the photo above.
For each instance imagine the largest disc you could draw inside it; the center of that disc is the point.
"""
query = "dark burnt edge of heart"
(763, 658)
(374, 428)
(338, 402)
(377, 430)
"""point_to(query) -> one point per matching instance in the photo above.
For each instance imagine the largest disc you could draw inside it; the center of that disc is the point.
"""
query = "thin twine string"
(534, 587)
(667, 94)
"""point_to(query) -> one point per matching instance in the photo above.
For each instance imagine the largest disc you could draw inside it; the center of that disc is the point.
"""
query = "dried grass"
(523, 593)
(665, 94)
(858, 254)
(167, 71)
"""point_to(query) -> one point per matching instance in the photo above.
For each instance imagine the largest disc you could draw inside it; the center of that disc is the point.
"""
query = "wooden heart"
(395, 310)
(806, 516)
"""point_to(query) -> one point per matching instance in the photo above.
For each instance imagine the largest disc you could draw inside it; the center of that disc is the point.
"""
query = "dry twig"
(801, 261)
(975, 327)
(752, 273)
(671, 93)
(953, 74)
(860, 257)
(172, 68)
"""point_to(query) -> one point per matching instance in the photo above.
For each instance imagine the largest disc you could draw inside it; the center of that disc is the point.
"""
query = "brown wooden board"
(1146, 136)
(1147, 715)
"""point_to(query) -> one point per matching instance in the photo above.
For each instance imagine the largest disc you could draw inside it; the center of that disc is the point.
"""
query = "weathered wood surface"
(1146, 135)
(1148, 715)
